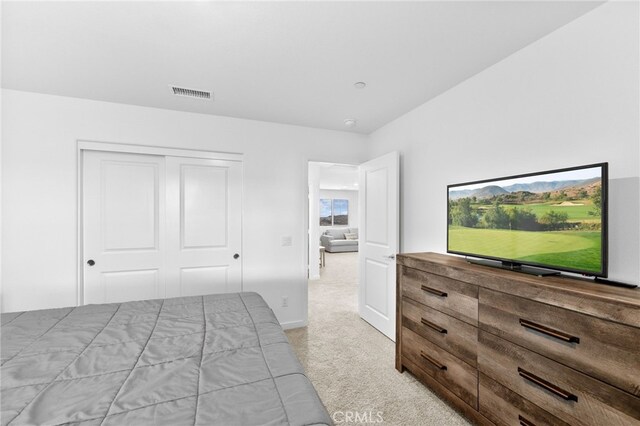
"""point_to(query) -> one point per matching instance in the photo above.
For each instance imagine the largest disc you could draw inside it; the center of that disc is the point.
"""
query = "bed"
(219, 359)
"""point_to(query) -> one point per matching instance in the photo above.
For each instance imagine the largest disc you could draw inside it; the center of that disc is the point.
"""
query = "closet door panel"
(204, 226)
(123, 227)
(160, 226)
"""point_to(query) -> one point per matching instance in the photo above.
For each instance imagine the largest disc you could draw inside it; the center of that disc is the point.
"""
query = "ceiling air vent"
(190, 93)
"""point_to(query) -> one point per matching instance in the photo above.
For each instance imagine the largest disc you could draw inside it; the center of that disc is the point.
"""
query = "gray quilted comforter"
(208, 360)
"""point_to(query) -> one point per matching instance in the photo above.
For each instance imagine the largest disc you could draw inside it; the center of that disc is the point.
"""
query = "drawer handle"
(567, 396)
(525, 422)
(549, 331)
(433, 361)
(433, 291)
(433, 326)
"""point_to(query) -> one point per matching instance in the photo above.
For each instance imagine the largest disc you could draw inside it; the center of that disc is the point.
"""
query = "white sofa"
(334, 240)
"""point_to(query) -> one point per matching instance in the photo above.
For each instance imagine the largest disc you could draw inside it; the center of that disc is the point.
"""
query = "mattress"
(208, 360)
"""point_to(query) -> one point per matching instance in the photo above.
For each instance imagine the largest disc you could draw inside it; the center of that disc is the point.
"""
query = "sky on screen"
(551, 177)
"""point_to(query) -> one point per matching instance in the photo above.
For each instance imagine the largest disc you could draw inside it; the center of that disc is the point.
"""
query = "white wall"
(352, 196)
(1, 144)
(39, 190)
(568, 99)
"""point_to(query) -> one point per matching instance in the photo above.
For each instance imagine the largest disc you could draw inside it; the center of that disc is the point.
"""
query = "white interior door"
(159, 226)
(123, 226)
(379, 241)
(204, 227)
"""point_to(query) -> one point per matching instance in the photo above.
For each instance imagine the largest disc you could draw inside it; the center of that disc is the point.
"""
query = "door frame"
(88, 145)
(307, 228)
(361, 213)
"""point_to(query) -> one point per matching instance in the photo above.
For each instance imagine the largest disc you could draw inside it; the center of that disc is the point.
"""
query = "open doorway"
(353, 217)
(333, 232)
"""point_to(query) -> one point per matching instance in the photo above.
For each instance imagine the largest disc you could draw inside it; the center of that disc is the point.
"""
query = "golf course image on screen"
(553, 219)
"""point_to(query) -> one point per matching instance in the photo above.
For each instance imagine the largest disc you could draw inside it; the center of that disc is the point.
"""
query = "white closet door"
(156, 226)
(204, 226)
(123, 227)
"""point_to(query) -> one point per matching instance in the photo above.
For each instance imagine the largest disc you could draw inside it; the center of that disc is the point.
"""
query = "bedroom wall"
(568, 99)
(39, 198)
(1, 144)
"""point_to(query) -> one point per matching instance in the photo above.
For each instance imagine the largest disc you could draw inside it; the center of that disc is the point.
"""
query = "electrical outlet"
(285, 301)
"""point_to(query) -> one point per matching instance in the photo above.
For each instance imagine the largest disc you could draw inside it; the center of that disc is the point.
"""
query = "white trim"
(79, 245)
(156, 150)
(305, 268)
(85, 145)
(293, 324)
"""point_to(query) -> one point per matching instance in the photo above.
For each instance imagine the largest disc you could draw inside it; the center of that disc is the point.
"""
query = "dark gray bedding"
(208, 360)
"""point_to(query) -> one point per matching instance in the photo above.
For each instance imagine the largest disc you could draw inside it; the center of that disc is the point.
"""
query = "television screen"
(555, 219)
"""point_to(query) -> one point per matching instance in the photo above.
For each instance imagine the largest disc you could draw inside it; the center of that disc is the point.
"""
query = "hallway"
(351, 364)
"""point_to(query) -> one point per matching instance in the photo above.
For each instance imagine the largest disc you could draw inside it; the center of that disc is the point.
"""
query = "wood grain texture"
(461, 339)
(506, 408)
(399, 279)
(542, 342)
(445, 394)
(612, 303)
(459, 377)
(597, 403)
(461, 300)
(608, 351)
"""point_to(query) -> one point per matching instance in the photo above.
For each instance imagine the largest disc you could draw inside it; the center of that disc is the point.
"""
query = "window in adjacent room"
(334, 212)
(326, 218)
(340, 212)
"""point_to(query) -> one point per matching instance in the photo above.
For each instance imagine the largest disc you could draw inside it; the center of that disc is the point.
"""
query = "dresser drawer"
(455, 374)
(599, 348)
(452, 297)
(451, 334)
(506, 408)
(572, 396)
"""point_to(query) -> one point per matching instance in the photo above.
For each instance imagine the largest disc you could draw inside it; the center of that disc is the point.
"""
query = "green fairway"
(565, 249)
(576, 213)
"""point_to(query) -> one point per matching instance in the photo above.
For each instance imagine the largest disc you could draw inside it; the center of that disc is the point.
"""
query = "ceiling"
(286, 62)
(338, 176)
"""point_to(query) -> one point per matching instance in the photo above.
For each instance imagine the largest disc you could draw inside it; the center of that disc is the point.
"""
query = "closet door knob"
(235, 256)
(91, 262)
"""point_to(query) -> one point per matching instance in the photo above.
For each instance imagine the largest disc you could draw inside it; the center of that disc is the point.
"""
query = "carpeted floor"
(351, 364)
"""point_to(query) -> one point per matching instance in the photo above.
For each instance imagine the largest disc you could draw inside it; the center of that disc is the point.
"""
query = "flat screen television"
(556, 219)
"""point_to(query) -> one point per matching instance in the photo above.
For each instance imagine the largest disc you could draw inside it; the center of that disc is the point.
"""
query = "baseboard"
(293, 324)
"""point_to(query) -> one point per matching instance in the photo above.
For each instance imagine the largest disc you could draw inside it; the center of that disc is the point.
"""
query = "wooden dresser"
(512, 349)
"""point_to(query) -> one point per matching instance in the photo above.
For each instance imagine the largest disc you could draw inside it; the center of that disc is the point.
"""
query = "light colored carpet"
(351, 364)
